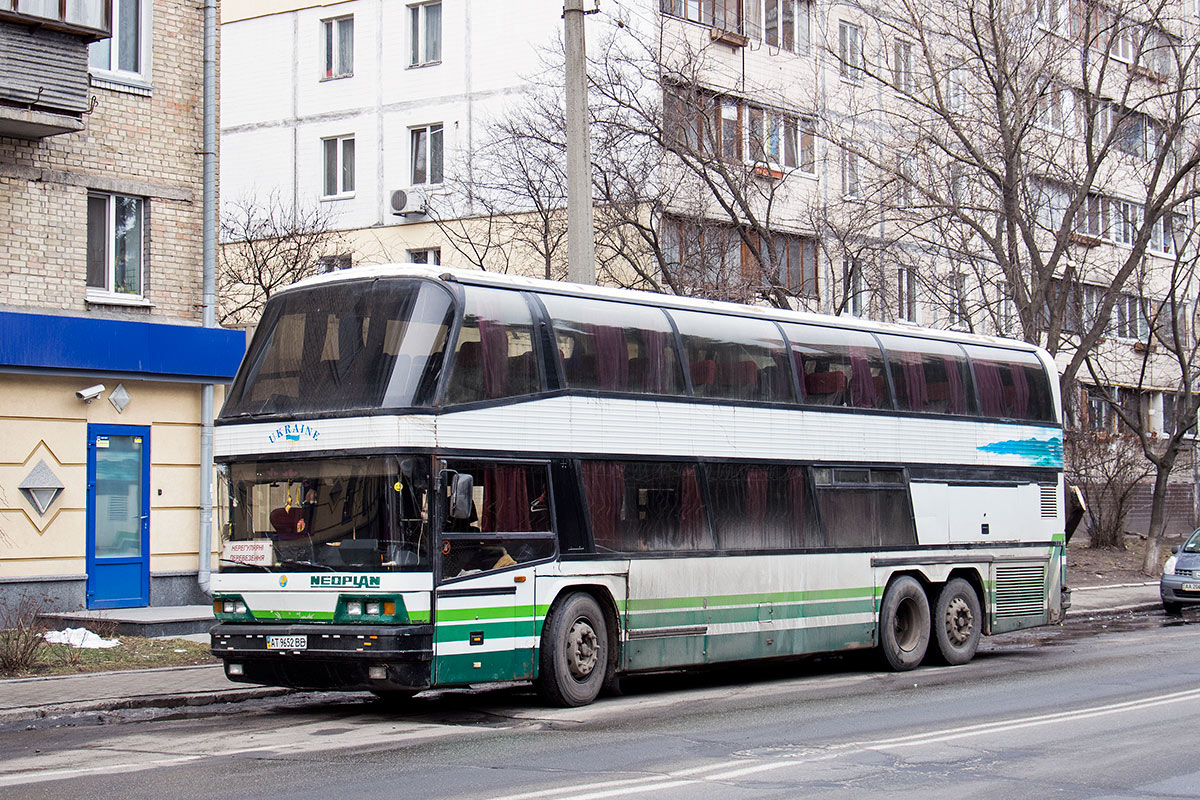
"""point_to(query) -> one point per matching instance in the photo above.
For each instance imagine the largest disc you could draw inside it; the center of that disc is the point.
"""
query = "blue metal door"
(118, 522)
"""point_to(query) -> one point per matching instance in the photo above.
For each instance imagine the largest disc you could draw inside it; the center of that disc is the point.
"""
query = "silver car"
(1180, 582)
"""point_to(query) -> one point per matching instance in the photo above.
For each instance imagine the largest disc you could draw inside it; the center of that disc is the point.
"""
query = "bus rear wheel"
(904, 624)
(957, 622)
(574, 652)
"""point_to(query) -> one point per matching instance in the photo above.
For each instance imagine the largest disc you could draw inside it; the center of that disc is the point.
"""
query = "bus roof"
(473, 277)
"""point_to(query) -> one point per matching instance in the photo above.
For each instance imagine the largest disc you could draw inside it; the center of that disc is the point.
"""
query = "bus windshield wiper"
(263, 567)
(306, 564)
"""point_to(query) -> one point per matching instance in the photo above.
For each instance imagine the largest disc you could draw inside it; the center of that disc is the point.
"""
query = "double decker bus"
(436, 477)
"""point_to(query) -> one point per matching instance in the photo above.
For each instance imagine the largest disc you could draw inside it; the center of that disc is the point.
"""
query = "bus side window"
(496, 352)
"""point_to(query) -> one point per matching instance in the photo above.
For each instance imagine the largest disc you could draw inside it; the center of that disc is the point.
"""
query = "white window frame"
(429, 131)
(109, 294)
(956, 90)
(850, 51)
(418, 34)
(142, 75)
(1006, 316)
(332, 66)
(425, 255)
(903, 79)
(906, 294)
(851, 175)
(341, 190)
(957, 313)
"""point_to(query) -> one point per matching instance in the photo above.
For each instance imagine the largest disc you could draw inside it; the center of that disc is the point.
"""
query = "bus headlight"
(354, 608)
(373, 608)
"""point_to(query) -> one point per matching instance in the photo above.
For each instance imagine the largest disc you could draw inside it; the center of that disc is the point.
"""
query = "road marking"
(738, 768)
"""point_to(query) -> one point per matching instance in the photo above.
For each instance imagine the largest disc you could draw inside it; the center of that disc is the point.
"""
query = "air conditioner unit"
(409, 203)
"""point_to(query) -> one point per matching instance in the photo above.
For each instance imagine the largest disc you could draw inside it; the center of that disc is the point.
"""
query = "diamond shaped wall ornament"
(119, 398)
(41, 488)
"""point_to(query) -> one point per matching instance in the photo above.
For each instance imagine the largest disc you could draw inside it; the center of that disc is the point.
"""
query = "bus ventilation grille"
(1020, 590)
(1049, 501)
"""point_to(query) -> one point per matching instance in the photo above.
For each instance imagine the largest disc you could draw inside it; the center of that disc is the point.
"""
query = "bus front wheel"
(574, 652)
(957, 621)
(904, 624)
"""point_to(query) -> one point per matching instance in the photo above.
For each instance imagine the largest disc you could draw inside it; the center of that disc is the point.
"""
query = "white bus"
(438, 477)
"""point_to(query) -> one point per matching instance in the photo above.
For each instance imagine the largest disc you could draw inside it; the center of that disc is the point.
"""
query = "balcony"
(44, 72)
(88, 19)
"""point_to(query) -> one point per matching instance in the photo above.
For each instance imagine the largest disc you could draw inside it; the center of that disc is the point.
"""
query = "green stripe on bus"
(764, 613)
(658, 603)
(489, 612)
(260, 613)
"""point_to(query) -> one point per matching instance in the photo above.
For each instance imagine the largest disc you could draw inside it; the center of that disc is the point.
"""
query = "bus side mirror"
(462, 490)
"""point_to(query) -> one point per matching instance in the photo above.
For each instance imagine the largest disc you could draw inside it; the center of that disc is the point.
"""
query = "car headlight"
(1169, 567)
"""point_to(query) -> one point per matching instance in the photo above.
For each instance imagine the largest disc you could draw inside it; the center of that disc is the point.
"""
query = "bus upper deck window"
(496, 355)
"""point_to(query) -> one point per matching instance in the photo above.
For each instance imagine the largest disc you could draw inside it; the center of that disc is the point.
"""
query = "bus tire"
(574, 652)
(957, 622)
(904, 624)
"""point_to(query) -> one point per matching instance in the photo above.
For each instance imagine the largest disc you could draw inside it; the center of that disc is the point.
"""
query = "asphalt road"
(1099, 712)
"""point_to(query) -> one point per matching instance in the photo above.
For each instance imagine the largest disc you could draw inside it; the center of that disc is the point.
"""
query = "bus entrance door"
(485, 626)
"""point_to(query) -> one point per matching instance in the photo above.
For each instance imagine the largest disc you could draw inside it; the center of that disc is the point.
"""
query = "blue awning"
(38, 342)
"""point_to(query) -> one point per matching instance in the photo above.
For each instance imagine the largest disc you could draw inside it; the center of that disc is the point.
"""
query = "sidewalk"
(167, 687)
(33, 698)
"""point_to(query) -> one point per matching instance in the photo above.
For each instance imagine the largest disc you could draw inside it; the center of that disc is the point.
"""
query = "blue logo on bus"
(293, 432)
(1034, 452)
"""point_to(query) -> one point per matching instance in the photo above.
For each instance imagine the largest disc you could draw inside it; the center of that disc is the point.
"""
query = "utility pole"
(581, 236)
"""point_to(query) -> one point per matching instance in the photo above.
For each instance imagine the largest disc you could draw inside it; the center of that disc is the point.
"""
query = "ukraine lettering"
(342, 581)
(293, 432)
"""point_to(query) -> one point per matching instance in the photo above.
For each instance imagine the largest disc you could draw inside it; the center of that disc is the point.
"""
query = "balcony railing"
(91, 18)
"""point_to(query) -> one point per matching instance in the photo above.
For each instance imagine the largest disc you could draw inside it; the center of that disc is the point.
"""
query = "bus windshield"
(343, 515)
(345, 346)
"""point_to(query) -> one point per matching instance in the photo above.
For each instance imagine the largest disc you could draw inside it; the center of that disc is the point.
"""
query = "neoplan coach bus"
(436, 477)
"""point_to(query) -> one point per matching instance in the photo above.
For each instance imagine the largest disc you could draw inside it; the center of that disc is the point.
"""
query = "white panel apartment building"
(342, 104)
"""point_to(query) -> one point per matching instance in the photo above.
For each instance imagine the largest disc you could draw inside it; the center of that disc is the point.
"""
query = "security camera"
(90, 393)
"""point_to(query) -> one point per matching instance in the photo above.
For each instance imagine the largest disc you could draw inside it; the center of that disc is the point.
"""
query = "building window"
(339, 166)
(1132, 321)
(336, 262)
(850, 54)
(956, 90)
(787, 25)
(427, 154)
(127, 53)
(902, 67)
(339, 47)
(724, 15)
(855, 288)
(425, 26)
(731, 130)
(116, 244)
(797, 258)
(957, 316)
(1126, 221)
(427, 255)
(906, 294)
(851, 180)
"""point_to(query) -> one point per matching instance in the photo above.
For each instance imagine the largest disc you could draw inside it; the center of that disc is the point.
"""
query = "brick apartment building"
(103, 355)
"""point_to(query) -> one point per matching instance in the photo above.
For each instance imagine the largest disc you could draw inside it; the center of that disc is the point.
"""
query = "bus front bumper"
(377, 658)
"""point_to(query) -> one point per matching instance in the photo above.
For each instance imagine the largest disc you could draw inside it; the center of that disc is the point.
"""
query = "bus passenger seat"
(704, 373)
(819, 385)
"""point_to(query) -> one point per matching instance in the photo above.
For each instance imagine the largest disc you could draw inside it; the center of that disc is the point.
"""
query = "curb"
(1081, 615)
(143, 701)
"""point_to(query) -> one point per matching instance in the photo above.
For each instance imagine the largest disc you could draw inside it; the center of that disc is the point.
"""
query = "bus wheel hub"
(581, 649)
(958, 621)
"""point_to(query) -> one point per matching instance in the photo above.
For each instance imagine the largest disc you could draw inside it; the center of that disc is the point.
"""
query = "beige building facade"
(103, 354)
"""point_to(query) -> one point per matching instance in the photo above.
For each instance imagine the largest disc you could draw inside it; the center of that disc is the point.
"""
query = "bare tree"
(265, 246)
(1028, 134)
(1163, 351)
(1108, 468)
(680, 206)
